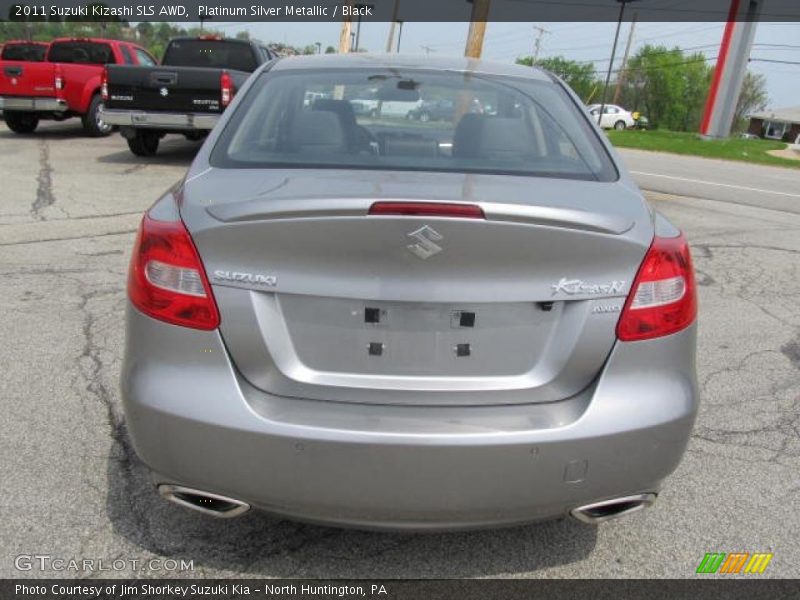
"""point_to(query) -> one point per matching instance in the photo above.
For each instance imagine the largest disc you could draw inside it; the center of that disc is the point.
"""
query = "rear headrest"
(466, 138)
(341, 107)
(482, 136)
(318, 131)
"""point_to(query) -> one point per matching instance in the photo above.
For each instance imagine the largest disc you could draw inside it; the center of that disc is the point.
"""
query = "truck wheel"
(21, 122)
(93, 122)
(619, 125)
(144, 143)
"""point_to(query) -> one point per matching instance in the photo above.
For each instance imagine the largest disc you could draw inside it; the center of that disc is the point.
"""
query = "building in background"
(779, 124)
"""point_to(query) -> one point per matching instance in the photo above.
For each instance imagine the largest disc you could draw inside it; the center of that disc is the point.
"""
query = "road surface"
(73, 487)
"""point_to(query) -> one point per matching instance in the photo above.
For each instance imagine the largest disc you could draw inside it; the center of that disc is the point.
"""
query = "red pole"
(720, 68)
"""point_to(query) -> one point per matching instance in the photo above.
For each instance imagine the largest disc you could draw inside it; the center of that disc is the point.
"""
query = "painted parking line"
(717, 184)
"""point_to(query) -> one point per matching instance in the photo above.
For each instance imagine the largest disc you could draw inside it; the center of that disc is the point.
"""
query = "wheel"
(21, 122)
(93, 122)
(619, 125)
(424, 117)
(144, 143)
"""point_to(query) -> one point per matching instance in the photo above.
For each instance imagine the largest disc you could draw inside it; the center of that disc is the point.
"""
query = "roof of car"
(442, 63)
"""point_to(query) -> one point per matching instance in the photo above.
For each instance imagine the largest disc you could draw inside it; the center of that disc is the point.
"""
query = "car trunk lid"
(321, 299)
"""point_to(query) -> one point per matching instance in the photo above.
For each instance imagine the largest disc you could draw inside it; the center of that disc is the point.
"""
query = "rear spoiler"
(314, 208)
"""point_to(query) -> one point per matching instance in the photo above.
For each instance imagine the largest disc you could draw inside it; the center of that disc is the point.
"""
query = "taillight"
(58, 78)
(167, 280)
(427, 209)
(663, 298)
(104, 85)
(226, 86)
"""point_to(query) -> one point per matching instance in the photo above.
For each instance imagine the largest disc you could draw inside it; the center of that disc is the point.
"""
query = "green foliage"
(580, 77)
(668, 86)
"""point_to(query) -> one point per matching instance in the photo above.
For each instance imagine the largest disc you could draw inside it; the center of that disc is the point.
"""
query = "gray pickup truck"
(185, 94)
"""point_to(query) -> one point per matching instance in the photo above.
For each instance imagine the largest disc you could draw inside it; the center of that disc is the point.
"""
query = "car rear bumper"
(159, 120)
(195, 422)
(33, 104)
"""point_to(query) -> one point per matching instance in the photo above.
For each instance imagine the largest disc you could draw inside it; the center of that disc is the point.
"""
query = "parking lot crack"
(44, 190)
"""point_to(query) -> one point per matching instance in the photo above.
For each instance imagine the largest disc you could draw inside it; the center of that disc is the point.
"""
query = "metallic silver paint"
(306, 424)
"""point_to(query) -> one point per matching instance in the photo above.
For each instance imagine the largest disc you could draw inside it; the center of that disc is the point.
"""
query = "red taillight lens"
(58, 78)
(427, 209)
(226, 85)
(104, 85)
(663, 298)
(167, 280)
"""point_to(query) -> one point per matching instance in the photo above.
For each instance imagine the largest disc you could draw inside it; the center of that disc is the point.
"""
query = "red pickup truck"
(67, 84)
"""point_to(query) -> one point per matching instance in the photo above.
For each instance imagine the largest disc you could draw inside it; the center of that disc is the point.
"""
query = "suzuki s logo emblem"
(425, 238)
(164, 91)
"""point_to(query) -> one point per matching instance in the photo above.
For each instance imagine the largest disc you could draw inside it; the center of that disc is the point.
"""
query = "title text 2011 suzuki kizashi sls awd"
(346, 315)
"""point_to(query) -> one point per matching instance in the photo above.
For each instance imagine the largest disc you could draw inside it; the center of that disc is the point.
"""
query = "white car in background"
(614, 117)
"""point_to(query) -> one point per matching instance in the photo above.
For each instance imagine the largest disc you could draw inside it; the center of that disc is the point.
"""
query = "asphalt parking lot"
(72, 487)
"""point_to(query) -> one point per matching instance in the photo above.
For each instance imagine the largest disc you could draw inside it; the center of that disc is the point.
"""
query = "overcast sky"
(577, 41)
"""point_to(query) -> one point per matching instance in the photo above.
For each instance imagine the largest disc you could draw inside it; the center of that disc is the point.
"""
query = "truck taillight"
(663, 298)
(226, 87)
(167, 280)
(58, 78)
(104, 85)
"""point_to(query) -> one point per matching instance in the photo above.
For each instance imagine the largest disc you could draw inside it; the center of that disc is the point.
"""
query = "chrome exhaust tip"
(606, 510)
(207, 503)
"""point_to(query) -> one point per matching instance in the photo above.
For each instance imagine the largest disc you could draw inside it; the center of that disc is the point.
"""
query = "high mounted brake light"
(427, 209)
(226, 88)
(663, 297)
(167, 280)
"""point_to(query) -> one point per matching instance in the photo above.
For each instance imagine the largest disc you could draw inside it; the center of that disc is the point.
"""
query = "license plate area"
(416, 339)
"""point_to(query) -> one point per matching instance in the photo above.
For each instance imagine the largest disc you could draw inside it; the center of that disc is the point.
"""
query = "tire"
(93, 124)
(145, 143)
(424, 117)
(619, 125)
(21, 122)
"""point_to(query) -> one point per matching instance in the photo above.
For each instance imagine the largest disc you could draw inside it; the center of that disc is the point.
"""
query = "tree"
(580, 77)
(243, 35)
(330, 50)
(668, 86)
(753, 98)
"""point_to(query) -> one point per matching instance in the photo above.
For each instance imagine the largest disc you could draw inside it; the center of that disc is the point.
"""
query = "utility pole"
(427, 49)
(537, 46)
(344, 35)
(622, 4)
(390, 39)
(622, 72)
(477, 28)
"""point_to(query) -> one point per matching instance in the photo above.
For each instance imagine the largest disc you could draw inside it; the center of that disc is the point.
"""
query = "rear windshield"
(88, 53)
(210, 53)
(25, 52)
(412, 120)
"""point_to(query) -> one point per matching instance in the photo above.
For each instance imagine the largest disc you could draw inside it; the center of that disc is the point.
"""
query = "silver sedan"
(373, 321)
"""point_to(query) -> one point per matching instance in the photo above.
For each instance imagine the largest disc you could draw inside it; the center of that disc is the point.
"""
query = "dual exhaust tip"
(223, 507)
(606, 510)
(207, 503)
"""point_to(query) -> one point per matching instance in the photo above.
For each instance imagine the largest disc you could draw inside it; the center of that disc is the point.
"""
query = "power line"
(770, 60)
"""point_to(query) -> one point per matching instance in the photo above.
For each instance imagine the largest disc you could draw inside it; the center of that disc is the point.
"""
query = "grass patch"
(754, 151)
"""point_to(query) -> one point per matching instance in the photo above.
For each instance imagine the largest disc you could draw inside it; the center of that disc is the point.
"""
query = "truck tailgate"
(174, 89)
(29, 79)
